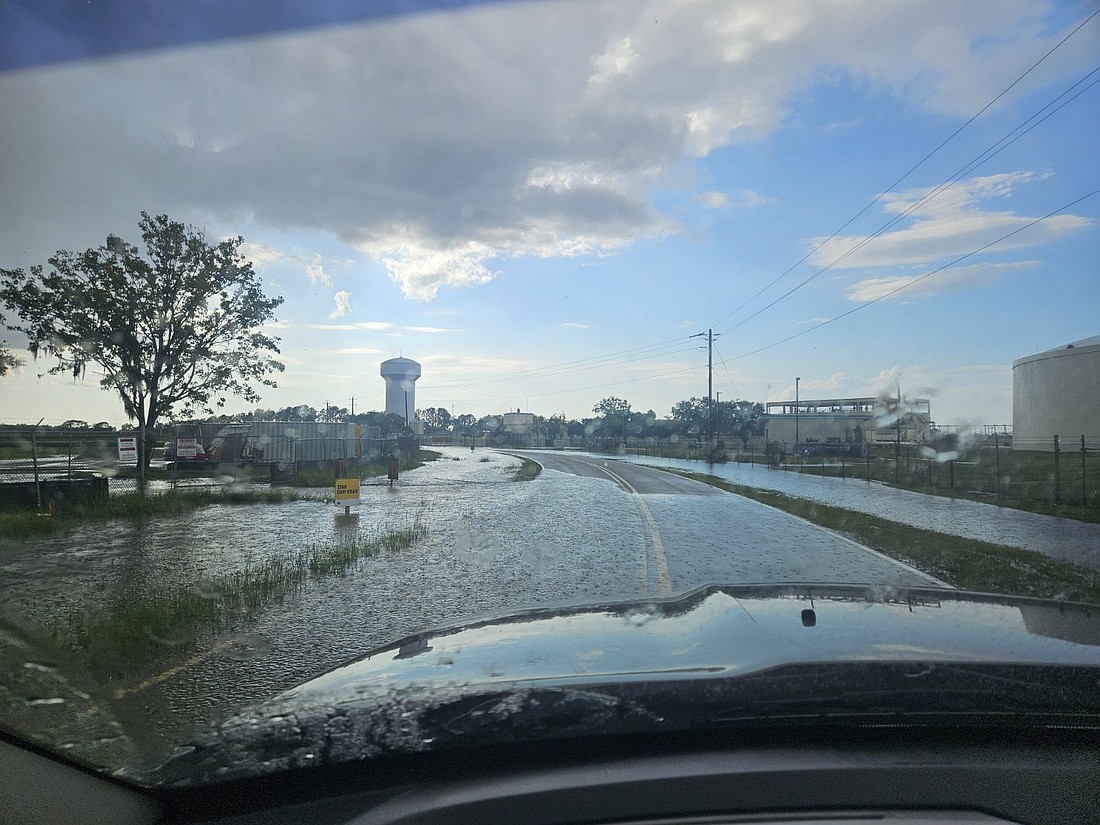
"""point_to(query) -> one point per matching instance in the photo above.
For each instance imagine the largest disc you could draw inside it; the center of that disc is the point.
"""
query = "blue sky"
(501, 190)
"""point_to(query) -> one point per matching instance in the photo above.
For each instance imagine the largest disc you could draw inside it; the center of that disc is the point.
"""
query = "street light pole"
(796, 380)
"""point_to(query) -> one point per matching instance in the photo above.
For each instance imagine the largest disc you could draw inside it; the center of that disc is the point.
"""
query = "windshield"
(324, 329)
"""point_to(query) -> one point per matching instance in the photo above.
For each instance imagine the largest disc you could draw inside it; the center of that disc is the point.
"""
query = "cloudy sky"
(542, 202)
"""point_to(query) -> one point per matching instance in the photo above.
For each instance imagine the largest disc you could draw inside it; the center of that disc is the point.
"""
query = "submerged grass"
(163, 625)
(527, 471)
(961, 562)
(25, 523)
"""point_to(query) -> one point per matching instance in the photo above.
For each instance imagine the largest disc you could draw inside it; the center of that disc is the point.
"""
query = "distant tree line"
(614, 419)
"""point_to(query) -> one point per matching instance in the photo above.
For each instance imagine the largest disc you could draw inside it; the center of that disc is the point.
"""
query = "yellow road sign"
(347, 489)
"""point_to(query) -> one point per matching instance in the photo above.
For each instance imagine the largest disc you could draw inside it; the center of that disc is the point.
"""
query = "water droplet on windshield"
(54, 700)
(39, 666)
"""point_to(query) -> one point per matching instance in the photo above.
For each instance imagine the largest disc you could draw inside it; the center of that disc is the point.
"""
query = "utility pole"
(710, 386)
(710, 383)
(353, 405)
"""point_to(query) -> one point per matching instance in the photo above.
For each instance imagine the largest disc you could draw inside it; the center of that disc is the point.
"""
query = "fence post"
(1084, 493)
(34, 463)
(868, 455)
(997, 456)
(842, 473)
(752, 455)
(1057, 472)
(141, 459)
(929, 472)
(951, 465)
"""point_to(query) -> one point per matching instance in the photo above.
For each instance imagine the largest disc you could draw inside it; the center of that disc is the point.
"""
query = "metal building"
(1057, 392)
(401, 375)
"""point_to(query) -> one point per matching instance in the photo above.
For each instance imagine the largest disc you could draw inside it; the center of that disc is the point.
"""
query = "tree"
(692, 414)
(8, 360)
(436, 419)
(178, 328)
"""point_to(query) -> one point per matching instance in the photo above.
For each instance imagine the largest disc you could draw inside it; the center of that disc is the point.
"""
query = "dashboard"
(815, 774)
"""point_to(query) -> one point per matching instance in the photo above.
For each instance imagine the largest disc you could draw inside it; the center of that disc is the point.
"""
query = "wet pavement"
(1059, 538)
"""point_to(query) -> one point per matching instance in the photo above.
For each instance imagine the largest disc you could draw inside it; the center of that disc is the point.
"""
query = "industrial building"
(400, 375)
(847, 421)
(1057, 392)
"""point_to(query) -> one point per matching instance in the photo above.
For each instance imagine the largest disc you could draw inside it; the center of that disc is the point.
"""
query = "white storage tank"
(1057, 392)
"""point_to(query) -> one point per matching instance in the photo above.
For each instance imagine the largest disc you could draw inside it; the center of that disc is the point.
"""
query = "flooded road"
(1059, 538)
(586, 531)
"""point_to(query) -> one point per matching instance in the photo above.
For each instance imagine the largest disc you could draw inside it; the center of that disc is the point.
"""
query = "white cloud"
(954, 222)
(750, 198)
(431, 330)
(315, 271)
(377, 325)
(910, 286)
(589, 111)
(261, 255)
(711, 200)
(342, 302)
(687, 324)
(619, 58)
(357, 351)
(573, 325)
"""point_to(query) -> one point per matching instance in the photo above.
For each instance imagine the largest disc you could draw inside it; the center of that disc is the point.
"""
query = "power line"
(910, 171)
(923, 277)
(932, 194)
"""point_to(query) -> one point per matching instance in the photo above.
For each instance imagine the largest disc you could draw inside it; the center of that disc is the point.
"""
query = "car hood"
(717, 655)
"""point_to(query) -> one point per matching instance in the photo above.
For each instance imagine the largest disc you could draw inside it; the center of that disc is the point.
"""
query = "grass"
(527, 471)
(24, 523)
(162, 625)
(965, 563)
(326, 477)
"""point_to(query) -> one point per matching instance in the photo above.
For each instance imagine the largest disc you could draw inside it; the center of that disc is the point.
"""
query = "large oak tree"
(173, 331)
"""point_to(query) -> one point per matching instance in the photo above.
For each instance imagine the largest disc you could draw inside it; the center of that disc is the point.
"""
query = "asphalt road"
(690, 534)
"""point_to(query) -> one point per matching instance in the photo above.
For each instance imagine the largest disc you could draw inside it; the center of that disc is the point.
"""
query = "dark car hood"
(712, 656)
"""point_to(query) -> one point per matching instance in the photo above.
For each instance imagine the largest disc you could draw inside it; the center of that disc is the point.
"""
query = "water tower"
(401, 375)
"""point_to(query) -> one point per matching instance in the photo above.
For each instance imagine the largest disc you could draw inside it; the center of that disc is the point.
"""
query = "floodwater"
(1059, 538)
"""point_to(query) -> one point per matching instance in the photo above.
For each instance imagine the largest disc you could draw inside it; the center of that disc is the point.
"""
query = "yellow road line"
(659, 559)
(122, 693)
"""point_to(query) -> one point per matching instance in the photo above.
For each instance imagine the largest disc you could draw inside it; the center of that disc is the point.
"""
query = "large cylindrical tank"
(401, 375)
(1057, 392)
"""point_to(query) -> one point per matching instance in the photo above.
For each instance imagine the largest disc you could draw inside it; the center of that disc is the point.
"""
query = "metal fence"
(1056, 470)
(45, 466)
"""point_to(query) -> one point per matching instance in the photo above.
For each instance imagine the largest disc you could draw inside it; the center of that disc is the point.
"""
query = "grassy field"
(24, 523)
(961, 562)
